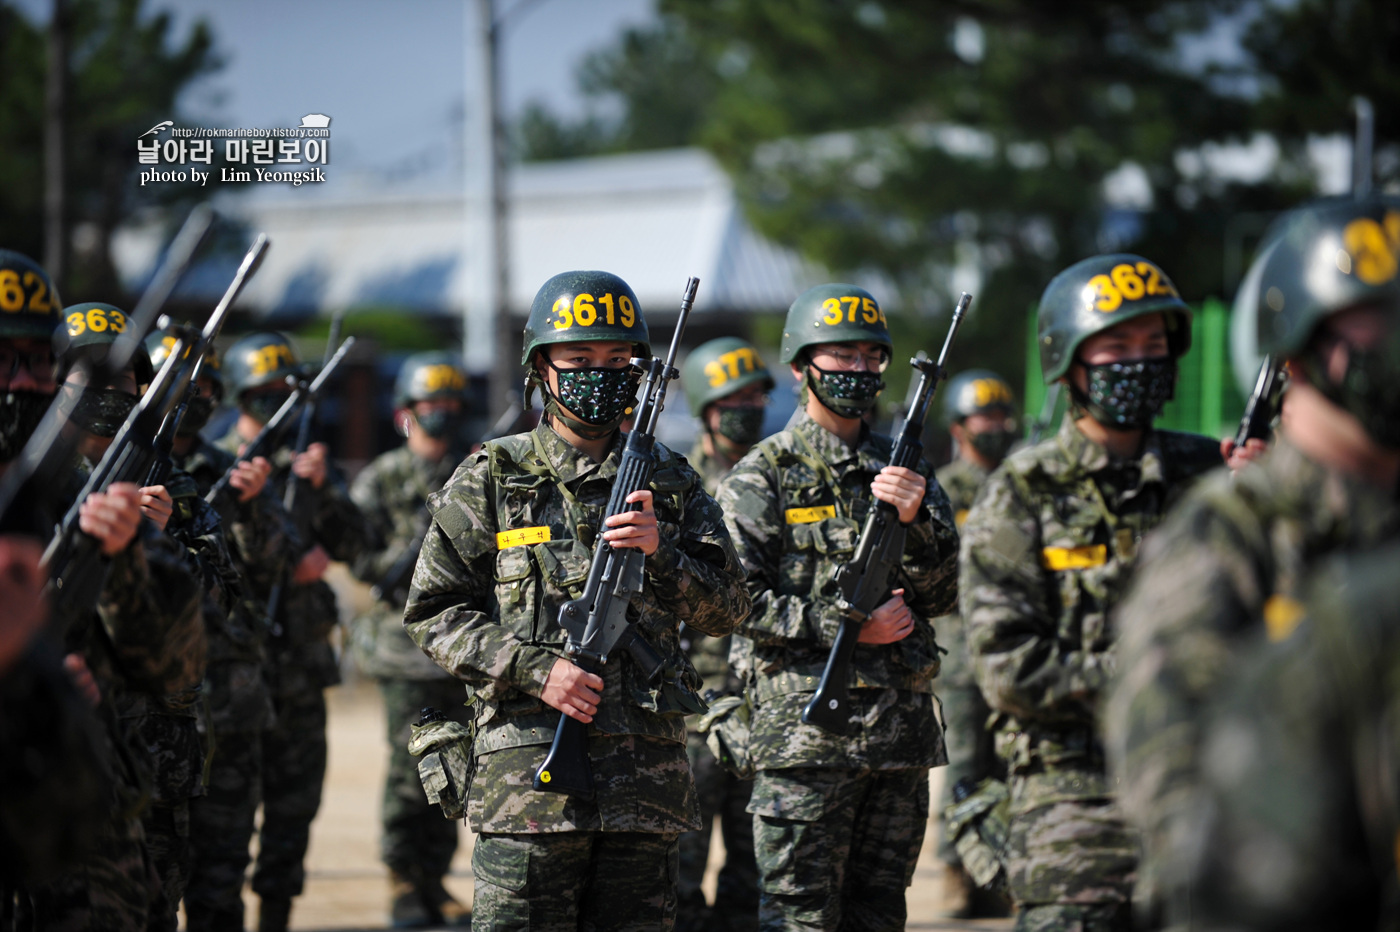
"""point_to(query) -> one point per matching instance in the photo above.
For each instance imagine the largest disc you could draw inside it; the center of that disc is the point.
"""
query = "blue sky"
(390, 73)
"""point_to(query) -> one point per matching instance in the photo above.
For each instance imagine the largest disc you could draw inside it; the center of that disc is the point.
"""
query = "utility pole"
(488, 343)
(55, 107)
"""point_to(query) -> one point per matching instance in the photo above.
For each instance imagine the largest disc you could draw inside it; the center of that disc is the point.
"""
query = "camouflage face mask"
(598, 396)
(743, 426)
(197, 414)
(847, 394)
(20, 414)
(994, 444)
(1369, 389)
(1129, 395)
(261, 407)
(437, 424)
(101, 412)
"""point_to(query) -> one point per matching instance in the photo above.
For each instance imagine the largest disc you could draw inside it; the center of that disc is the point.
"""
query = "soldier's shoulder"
(1218, 508)
(1189, 455)
(1045, 459)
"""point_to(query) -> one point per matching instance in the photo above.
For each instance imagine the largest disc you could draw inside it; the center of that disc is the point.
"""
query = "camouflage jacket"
(795, 505)
(392, 493)
(261, 540)
(511, 541)
(1226, 567)
(1047, 552)
(710, 656)
(962, 480)
(299, 649)
(1298, 767)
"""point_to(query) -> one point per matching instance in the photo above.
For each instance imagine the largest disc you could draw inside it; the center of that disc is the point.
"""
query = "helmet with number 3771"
(1101, 292)
(585, 306)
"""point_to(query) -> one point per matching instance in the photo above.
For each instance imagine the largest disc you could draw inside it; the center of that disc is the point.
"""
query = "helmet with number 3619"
(584, 306)
(1101, 292)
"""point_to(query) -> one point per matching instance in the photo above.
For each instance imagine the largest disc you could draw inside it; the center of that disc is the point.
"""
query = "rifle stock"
(596, 621)
(864, 580)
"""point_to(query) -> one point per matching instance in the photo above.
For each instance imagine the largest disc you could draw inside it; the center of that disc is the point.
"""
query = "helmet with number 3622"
(574, 307)
(1101, 292)
(29, 304)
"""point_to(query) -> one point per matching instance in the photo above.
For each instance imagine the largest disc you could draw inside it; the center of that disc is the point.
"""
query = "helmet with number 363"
(1101, 292)
(93, 327)
(584, 306)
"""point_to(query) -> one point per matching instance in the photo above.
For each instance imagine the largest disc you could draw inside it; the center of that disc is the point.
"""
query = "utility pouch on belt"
(726, 730)
(979, 821)
(445, 762)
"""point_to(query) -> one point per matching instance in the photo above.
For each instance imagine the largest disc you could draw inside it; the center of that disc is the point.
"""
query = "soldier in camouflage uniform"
(838, 820)
(239, 704)
(727, 386)
(392, 492)
(1295, 814)
(1047, 551)
(1326, 298)
(979, 408)
(511, 540)
(301, 662)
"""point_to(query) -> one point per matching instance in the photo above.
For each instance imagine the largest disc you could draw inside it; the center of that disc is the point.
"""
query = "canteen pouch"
(446, 764)
(726, 730)
(979, 821)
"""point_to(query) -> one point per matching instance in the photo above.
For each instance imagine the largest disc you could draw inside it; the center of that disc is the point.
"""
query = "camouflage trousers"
(221, 827)
(294, 771)
(736, 895)
(843, 852)
(417, 842)
(1071, 866)
(111, 890)
(572, 881)
(971, 752)
(168, 842)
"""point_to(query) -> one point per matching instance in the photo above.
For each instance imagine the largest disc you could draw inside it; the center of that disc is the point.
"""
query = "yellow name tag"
(1281, 616)
(961, 517)
(1073, 558)
(521, 536)
(808, 515)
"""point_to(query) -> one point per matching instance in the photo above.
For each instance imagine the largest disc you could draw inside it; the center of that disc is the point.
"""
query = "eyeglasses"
(845, 358)
(38, 362)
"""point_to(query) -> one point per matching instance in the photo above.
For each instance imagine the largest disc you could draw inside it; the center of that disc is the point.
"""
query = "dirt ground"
(347, 886)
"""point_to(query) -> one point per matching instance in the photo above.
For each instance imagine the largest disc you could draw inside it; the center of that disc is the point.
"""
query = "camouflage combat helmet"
(159, 343)
(719, 368)
(976, 391)
(1323, 258)
(430, 376)
(260, 359)
(29, 304)
(834, 313)
(93, 327)
(586, 305)
(1102, 292)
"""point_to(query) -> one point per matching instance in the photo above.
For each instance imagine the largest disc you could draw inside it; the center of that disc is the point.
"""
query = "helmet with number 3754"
(834, 313)
(1101, 292)
(574, 307)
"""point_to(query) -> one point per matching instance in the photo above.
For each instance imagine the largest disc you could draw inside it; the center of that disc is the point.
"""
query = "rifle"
(864, 581)
(1047, 413)
(596, 621)
(49, 450)
(396, 578)
(1263, 403)
(271, 432)
(74, 559)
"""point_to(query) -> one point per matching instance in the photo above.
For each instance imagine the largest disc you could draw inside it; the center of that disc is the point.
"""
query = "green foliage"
(126, 72)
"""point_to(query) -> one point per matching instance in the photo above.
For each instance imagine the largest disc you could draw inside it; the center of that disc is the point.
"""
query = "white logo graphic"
(157, 128)
(316, 121)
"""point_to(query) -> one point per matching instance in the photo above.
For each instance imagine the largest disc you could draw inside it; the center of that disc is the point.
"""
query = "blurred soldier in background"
(301, 661)
(980, 410)
(392, 493)
(512, 540)
(1326, 297)
(727, 386)
(238, 707)
(838, 819)
(1047, 551)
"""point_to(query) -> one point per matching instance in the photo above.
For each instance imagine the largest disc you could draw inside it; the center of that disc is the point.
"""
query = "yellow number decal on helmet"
(582, 310)
(1371, 248)
(1126, 282)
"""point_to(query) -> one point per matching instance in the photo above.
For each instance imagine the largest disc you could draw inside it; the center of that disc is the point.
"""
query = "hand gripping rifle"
(596, 621)
(49, 451)
(864, 581)
(73, 558)
(1259, 411)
